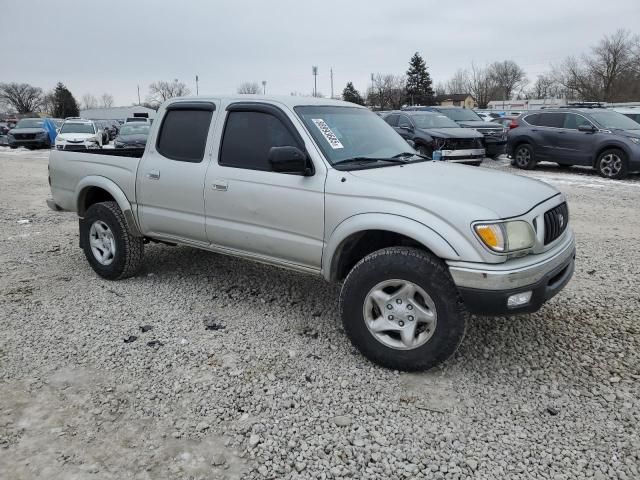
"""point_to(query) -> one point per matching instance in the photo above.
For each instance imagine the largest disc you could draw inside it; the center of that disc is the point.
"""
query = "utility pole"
(331, 73)
(314, 70)
(197, 91)
(139, 95)
(264, 87)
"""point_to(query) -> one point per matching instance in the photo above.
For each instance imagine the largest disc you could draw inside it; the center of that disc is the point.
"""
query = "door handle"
(220, 186)
(153, 175)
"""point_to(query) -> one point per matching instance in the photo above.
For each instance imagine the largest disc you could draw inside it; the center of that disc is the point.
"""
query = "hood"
(26, 130)
(632, 133)
(451, 132)
(138, 138)
(441, 186)
(479, 124)
(75, 137)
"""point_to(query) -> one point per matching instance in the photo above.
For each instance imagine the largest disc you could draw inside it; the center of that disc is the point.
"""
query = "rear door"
(576, 147)
(171, 175)
(545, 128)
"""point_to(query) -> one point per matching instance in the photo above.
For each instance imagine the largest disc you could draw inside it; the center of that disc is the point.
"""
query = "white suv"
(78, 134)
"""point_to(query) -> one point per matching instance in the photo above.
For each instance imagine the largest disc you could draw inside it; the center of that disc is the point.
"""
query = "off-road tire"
(524, 157)
(129, 249)
(424, 270)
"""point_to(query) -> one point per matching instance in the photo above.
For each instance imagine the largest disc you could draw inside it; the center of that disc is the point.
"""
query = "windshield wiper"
(369, 160)
(409, 154)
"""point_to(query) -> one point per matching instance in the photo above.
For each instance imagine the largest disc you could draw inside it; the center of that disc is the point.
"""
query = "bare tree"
(106, 100)
(89, 101)
(507, 77)
(459, 83)
(250, 88)
(161, 91)
(48, 102)
(481, 85)
(440, 89)
(610, 73)
(386, 92)
(22, 97)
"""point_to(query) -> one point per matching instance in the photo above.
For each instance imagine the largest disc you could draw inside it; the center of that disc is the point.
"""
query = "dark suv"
(603, 139)
(495, 137)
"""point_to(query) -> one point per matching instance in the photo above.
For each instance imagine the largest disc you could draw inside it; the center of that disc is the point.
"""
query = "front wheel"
(401, 309)
(612, 164)
(524, 157)
(111, 250)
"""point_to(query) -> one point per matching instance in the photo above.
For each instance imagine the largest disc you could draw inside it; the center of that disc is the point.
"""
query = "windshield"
(349, 132)
(134, 130)
(30, 123)
(461, 115)
(614, 120)
(77, 128)
(433, 121)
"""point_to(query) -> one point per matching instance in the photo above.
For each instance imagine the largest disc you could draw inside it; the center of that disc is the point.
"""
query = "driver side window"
(404, 122)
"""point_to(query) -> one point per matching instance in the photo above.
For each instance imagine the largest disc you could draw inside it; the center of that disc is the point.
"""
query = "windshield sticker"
(327, 133)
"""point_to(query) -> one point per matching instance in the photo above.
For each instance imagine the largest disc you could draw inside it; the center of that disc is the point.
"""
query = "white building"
(532, 104)
(116, 113)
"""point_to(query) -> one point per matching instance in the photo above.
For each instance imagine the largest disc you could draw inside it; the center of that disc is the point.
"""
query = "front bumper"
(486, 290)
(31, 142)
(474, 155)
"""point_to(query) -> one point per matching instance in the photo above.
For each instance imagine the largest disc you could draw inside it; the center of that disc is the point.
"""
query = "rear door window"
(404, 122)
(554, 120)
(183, 134)
(392, 119)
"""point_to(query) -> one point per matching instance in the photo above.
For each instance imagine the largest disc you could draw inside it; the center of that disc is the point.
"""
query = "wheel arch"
(609, 146)
(94, 189)
(362, 234)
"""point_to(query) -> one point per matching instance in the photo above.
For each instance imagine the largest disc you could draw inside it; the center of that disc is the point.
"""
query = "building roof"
(454, 97)
(116, 113)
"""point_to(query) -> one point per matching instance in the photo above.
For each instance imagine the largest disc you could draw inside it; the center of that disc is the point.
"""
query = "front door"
(171, 175)
(576, 147)
(254, 210)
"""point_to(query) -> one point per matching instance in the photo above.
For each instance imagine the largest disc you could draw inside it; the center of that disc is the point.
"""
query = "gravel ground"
(273, 389)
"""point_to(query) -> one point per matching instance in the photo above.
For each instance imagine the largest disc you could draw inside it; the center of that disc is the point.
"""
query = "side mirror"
(289, 160)
(587, 128)
(408, 128)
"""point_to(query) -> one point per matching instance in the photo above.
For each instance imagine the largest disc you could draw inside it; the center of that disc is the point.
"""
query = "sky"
(115, 46)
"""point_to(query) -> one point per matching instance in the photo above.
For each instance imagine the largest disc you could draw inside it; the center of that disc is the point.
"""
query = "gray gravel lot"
(274, 389)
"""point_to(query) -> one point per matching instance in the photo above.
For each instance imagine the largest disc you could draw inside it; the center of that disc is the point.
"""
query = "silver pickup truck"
(327, 188)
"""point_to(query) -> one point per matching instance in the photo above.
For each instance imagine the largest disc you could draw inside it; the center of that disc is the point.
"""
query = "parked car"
(495, 137)
(430, 132)
(328, 188)
(79, 134)
(605, 140)
(632, 112)
(507, 121)
(132, 135)
(31, 133)
(487, 116)
(4, 128)
(108, 128)
(137, 119)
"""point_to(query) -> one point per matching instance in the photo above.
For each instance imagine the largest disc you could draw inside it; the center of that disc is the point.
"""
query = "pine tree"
(350, 94)
(64, 105)
(419, 90)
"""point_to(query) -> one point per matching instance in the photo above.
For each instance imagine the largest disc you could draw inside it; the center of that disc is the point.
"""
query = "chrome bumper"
(513, 274)
(462, 155)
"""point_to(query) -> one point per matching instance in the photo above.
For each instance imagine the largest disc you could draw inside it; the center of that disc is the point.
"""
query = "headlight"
(506, 236)
(634, 140)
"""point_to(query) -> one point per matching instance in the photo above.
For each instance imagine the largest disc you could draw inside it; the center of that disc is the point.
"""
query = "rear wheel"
(524, 157)
(612, 164)
(401, 309)
(111, 250)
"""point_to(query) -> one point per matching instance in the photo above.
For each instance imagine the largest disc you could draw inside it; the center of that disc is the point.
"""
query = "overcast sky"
(114, 45)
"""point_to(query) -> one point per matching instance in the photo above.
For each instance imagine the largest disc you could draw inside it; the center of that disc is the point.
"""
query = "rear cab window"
(184, 131)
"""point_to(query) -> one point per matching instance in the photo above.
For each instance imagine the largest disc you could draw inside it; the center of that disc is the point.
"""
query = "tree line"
(23, 98)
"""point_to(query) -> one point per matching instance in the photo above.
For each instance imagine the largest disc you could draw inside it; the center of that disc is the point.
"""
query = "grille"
(462, 143)
(491, 132)
(25, 136)
(74, 147)
(555, 222)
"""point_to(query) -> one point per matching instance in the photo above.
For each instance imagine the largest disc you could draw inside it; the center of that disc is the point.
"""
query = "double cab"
(330, 189)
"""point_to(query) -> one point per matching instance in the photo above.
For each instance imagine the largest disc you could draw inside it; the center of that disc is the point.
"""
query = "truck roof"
(288, 100)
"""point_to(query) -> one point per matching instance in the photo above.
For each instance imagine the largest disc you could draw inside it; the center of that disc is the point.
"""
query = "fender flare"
(408, 227)
(608, 146)
(115, 191)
